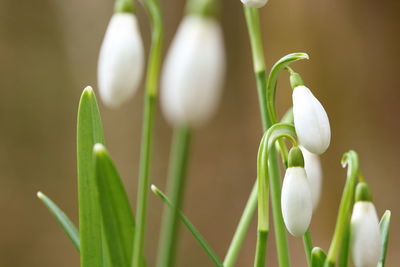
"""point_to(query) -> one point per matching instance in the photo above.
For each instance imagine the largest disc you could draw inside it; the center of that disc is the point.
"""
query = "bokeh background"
(48, 53)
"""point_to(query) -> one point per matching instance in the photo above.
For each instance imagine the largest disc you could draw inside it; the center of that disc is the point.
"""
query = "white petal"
(296, 201)
(311, 121)
(121, 60)
(365, 235)
(254, 3)
(193, 72)
(312, 165)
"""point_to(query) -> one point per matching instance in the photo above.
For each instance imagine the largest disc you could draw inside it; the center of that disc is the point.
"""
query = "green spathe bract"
(89, 132)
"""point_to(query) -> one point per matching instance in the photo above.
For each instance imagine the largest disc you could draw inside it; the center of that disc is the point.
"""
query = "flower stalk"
(152, 80)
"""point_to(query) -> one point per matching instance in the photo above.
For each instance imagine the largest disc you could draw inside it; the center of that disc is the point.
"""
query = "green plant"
(109, 235)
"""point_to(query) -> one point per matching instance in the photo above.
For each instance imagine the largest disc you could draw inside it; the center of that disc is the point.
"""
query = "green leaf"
(89, 132)
(117, 218)
(68, 227)
(318, 257)
(192, 229)
(384, 227)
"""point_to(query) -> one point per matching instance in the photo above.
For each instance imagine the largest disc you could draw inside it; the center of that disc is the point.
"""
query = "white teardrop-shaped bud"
(312, 165)
(296, 201)
(311, 121)
(365, 235)
(121, 60)
(193, 72)
(254, 3)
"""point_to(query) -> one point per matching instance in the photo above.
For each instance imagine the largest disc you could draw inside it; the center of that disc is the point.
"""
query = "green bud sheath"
(363, 192)
(124, 6)
(296, 158)
(295, 79)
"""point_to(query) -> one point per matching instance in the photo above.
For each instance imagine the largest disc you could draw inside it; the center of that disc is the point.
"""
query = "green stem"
(152, 79)
(253, 25)
(144, 181)
(175, 188)
(307, 246)
(261, 248)
(351, 159)
(279, 225)
(196, 234)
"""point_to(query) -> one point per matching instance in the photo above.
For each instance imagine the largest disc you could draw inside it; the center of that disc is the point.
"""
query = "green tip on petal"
(363, 192)
(296, 158)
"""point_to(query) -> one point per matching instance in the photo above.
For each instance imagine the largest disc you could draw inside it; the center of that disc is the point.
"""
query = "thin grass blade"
(68, 227)
(192, 229)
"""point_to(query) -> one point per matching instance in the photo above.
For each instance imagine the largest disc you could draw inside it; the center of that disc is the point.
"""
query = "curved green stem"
(175, 188)
(349, 159)
(267, 116)
(273, 134)
(272, 81)
(152, 79)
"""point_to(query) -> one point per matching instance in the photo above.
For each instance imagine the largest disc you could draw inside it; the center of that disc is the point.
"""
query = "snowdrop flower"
(121, 60)
(310, 120)
(296, 195)
(254, 3)
(193, 72)
(312, 165)
(365, 234)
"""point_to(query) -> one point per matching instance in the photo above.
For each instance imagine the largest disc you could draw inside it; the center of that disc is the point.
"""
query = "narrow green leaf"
(318, 257)
(68, 227)
(117, 218)
(89, 132)
(384, 226)
(192, 229)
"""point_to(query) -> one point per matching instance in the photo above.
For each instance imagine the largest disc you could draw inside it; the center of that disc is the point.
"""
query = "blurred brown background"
(48, 53)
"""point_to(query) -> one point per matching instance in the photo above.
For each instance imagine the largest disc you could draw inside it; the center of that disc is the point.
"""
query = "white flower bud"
(365, 235)
(311, 121)
(296, 201)
(254, 3)
(121, 60)
(193, 72)
(312, 165)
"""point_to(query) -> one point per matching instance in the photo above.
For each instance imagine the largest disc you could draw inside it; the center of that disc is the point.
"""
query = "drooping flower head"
(296, 195)
(365, 234)
(310, 118)
(121, 59)
(193, 71)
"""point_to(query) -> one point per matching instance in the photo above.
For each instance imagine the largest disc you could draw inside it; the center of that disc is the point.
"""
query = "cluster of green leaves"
(106, 222)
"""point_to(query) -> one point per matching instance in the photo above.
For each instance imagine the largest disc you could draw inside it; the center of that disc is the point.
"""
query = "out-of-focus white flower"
(121, 60)
(365, 235)
(254, 3)
(296, 201)
(193, 72)
(311, 121)
(312, 165)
